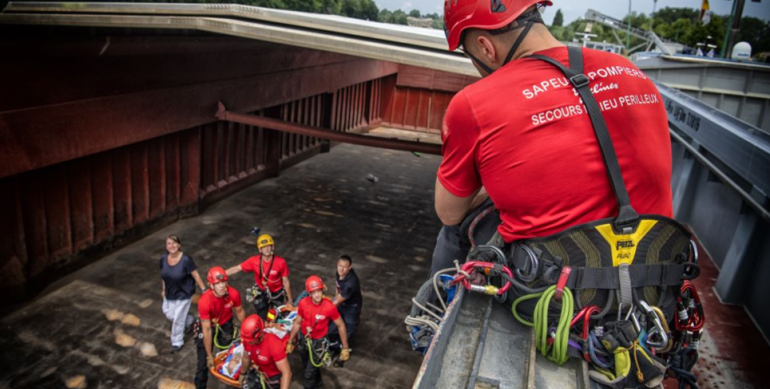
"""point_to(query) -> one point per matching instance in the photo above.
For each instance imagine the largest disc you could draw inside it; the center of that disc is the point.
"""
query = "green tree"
(332, 7)
(414, 13)
(399, 17)
(671, 15)
(558, 19)
(352, 8)
(756, 32)
(385, 16)
(370, 10)
(698, 33)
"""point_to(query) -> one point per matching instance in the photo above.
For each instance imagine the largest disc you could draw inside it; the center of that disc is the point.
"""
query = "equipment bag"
(614, 262)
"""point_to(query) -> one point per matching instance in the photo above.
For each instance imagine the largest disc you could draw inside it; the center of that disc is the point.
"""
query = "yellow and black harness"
(625, 275)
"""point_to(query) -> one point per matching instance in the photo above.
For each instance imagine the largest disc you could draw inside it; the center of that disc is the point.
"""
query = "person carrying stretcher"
(314, 313)
(216, 308)
(265, 351)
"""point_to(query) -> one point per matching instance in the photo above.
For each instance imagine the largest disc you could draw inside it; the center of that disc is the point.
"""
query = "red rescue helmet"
(251, 327)
(460, 15)
(216, 275)
(314, 283)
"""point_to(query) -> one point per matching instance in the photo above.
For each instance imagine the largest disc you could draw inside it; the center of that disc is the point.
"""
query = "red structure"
(107, 135)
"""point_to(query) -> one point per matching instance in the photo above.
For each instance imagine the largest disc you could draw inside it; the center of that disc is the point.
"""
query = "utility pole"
(733, 26)
(628, 28)
(652, 19)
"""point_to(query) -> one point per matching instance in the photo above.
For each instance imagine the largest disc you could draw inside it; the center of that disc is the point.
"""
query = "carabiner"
(694, 251)
(657, 329)
(633, 318)
(534, 266)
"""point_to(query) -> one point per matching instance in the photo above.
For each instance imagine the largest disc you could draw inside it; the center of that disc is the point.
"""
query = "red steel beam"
(371, 141)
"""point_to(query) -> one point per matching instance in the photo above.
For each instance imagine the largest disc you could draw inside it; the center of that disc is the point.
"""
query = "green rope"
(516, 303)
(310, 351)
(558, 351)
(216, 337)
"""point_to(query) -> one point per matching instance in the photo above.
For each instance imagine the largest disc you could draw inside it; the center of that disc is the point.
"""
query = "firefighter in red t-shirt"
(271, 277)
(522, 135)
(267, 352)
(216, 308)
(312, 323)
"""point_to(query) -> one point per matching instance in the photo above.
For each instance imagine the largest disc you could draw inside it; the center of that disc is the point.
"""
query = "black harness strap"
(525, 21)
(627, 218)
(265, 278)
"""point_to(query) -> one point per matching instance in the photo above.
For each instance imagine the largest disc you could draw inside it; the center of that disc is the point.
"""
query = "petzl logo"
(624, 244)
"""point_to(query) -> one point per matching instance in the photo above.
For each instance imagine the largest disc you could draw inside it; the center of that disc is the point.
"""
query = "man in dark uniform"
(348, 298)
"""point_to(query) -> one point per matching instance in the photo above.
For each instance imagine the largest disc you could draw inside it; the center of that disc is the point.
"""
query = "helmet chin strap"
(525, 21)
(479, 63)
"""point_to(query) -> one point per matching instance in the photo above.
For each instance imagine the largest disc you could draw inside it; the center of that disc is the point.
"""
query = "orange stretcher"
(219, 361)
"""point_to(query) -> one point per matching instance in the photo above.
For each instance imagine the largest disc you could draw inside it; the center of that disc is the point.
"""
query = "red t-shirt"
(275, 270)
(266, 354)
(524, 135)
(316, 317)
(219, 309)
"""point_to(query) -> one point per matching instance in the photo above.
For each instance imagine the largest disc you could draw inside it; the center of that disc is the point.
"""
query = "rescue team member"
(178, 275)
(523, 132)
(348, 299)
(314, 313)
(267, 352)
(271, 276)
(216, 308)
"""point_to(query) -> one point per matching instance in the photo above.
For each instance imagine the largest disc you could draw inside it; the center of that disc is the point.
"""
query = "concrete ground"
(102, 327)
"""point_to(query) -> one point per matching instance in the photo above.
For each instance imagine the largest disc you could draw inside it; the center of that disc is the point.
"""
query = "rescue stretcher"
(279, 323)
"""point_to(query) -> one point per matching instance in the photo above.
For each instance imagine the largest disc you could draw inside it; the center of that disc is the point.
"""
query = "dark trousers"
(253, 382)
(453, 243)
(223, 337)
(312, 376)
(351, 315)
(263, 303)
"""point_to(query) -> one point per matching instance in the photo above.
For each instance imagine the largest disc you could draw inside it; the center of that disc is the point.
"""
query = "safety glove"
(344, 354)
(634, 366)
(242, 379)
(289, 348)
(210, 362)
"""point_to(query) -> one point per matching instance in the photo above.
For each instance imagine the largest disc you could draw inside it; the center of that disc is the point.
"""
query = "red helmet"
(314, 283)
(216, 275)
(460, 15)
(251, 327)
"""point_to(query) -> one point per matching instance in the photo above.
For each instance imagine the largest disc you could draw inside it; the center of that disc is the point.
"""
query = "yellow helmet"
(264, 240)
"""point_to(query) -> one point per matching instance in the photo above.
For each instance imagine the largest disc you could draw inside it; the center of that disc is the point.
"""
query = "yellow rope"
(639, 374)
